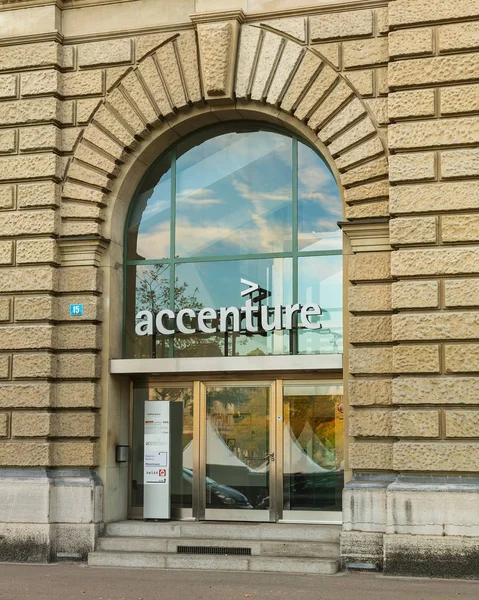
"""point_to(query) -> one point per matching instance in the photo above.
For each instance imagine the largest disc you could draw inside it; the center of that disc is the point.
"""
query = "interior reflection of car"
(218, 495)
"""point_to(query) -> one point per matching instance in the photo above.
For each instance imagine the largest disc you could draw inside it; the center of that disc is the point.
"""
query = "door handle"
(269, 455)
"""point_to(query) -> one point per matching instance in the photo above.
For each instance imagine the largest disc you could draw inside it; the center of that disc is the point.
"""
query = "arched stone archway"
(223, 69)
(230, 66)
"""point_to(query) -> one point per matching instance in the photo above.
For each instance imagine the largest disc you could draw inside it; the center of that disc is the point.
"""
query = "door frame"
(276, 445)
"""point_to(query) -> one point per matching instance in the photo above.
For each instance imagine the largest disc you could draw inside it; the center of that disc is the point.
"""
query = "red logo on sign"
(162, 472)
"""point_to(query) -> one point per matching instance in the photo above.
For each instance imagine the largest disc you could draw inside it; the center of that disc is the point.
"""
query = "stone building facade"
(92, 92)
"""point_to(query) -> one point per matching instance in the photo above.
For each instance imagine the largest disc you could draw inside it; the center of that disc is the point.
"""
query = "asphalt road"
(79, 582)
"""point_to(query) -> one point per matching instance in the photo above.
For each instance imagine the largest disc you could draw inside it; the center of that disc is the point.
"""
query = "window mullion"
(172, 243)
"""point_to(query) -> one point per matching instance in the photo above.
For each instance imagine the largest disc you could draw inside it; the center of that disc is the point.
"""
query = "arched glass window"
(229, 204)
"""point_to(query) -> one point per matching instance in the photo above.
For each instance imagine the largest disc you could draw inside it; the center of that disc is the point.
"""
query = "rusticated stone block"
(74, 454)
(216, 42)
(76, 394)
(413, 103)
(367, 210)
(77, 424)
(442, 69)
(114, 127)
(369, 329)
(370, 266)
(28, 279)
(370, 360)
(31, 222)
(416, 359)
(170, 69)
(293, 26)
(267, 60)
(7, 196)
(436, 456)
(462, 423)
(458, 36)
(80, 279)
(382, 20)
(78, 366)
(415, 294)
(369, 191)
(246, 54)
(24, 56)
(27, 337)
(379, 109)
(460, 228)
(4, 424)
(420, 166)
(36, 110)
(26, 395)
(460, 163)
(38, 194)
(375, 168)
(461, 292)
(462, 358)
(350, 113)
(37, 251)
(5, 310)
(461, 195)
(459, 99)
(82, 83)
(85, 109)
(370, 298)
(92, 308)
(382, 85)
(25, 454)
(368, 392)
(410, 12)
(370, 422)
(31, 424)
(286, 66)
(443, 390)
(8, 141)
(34, 366)
(29, 167)
(413, 230)
(333, 101)
(6, 253)
(450, 261)
(8, 86)
(341, 25)
(411, 42)
(35, 308)
(415, 423)
(78, 337)
(362, 81)
(371, 456)
(435, 133)
(43, 137)
(321, 84)
(362, 53)
(189, 59)
(4, 366)
(143, 104)
(41, 82)
(105, 53)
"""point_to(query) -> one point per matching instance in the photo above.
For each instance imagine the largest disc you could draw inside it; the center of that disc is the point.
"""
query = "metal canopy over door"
(252, 450)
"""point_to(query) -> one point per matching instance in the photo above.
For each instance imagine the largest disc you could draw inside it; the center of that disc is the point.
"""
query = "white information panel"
(157, 460)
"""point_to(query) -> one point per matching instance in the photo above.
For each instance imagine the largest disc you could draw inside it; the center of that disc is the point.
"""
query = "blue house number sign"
(76, 310)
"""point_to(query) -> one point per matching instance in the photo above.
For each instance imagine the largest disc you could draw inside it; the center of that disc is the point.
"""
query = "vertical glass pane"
(147, 288)
(237, 442)
(218, 284)
(319, 204)
(233, 194)
(148, 234)
(181, 434)
(313, 447)
(320, 280)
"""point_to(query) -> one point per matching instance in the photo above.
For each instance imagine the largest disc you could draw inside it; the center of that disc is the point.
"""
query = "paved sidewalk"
(79, 582)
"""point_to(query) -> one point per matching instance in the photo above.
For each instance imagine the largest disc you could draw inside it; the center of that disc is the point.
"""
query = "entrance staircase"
(273, 547)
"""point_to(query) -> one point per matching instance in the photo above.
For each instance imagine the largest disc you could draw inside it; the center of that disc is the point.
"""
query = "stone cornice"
(367, 235)
(218, 16)
(81, 251)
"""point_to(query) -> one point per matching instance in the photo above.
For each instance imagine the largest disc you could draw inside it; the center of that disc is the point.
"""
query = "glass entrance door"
(249, 450)
(238, 451)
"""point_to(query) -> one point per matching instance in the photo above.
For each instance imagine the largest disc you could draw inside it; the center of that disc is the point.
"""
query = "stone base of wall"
(48, 515)
(412, 525)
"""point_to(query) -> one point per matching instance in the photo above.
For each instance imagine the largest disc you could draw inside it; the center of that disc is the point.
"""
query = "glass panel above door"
(313, 447)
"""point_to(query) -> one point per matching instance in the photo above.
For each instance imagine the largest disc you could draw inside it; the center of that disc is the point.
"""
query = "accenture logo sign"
(253, 317)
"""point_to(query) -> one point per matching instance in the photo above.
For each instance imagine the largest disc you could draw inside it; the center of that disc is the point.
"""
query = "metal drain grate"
(213, 550)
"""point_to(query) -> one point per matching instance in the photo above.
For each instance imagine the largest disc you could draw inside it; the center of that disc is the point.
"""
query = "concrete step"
(226, 531)
(321, 566)
(315, 549)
